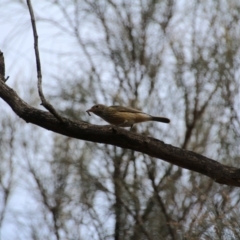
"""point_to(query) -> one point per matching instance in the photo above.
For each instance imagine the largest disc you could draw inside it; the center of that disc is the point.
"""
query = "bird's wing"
(126, 109)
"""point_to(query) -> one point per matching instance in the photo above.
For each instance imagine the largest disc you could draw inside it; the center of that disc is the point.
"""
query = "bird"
(123, 116)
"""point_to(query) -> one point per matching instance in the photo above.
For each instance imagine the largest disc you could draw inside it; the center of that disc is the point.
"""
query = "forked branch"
(45, 103)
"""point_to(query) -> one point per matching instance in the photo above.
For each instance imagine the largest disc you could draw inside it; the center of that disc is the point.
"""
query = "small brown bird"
(123, 116)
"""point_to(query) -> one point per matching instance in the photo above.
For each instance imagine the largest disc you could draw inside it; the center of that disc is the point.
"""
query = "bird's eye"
(97, 106)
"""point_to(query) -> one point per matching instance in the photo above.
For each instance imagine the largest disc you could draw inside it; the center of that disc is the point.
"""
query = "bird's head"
(97, 109)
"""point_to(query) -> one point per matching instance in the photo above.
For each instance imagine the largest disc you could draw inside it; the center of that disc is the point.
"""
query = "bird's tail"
(161, 119)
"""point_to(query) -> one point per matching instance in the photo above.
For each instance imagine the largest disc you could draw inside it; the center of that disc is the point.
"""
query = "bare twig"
(2, 67)
(45, 103)
(162, 206)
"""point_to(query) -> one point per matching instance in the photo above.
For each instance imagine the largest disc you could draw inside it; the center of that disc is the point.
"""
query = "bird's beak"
(88, 111)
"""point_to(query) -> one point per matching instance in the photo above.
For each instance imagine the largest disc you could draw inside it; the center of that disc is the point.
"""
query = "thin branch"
(136, 218)
(162, 206)
(45, 103)
(2, 67)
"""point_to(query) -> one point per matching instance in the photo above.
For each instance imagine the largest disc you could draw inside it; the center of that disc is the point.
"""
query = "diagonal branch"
(122, 138)
(45, 103)
(119, 137)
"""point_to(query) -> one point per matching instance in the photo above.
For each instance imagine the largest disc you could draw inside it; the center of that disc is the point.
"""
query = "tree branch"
(45, 103)
(119, 137)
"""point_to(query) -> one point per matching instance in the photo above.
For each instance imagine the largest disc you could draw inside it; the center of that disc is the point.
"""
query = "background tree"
(178, 60)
